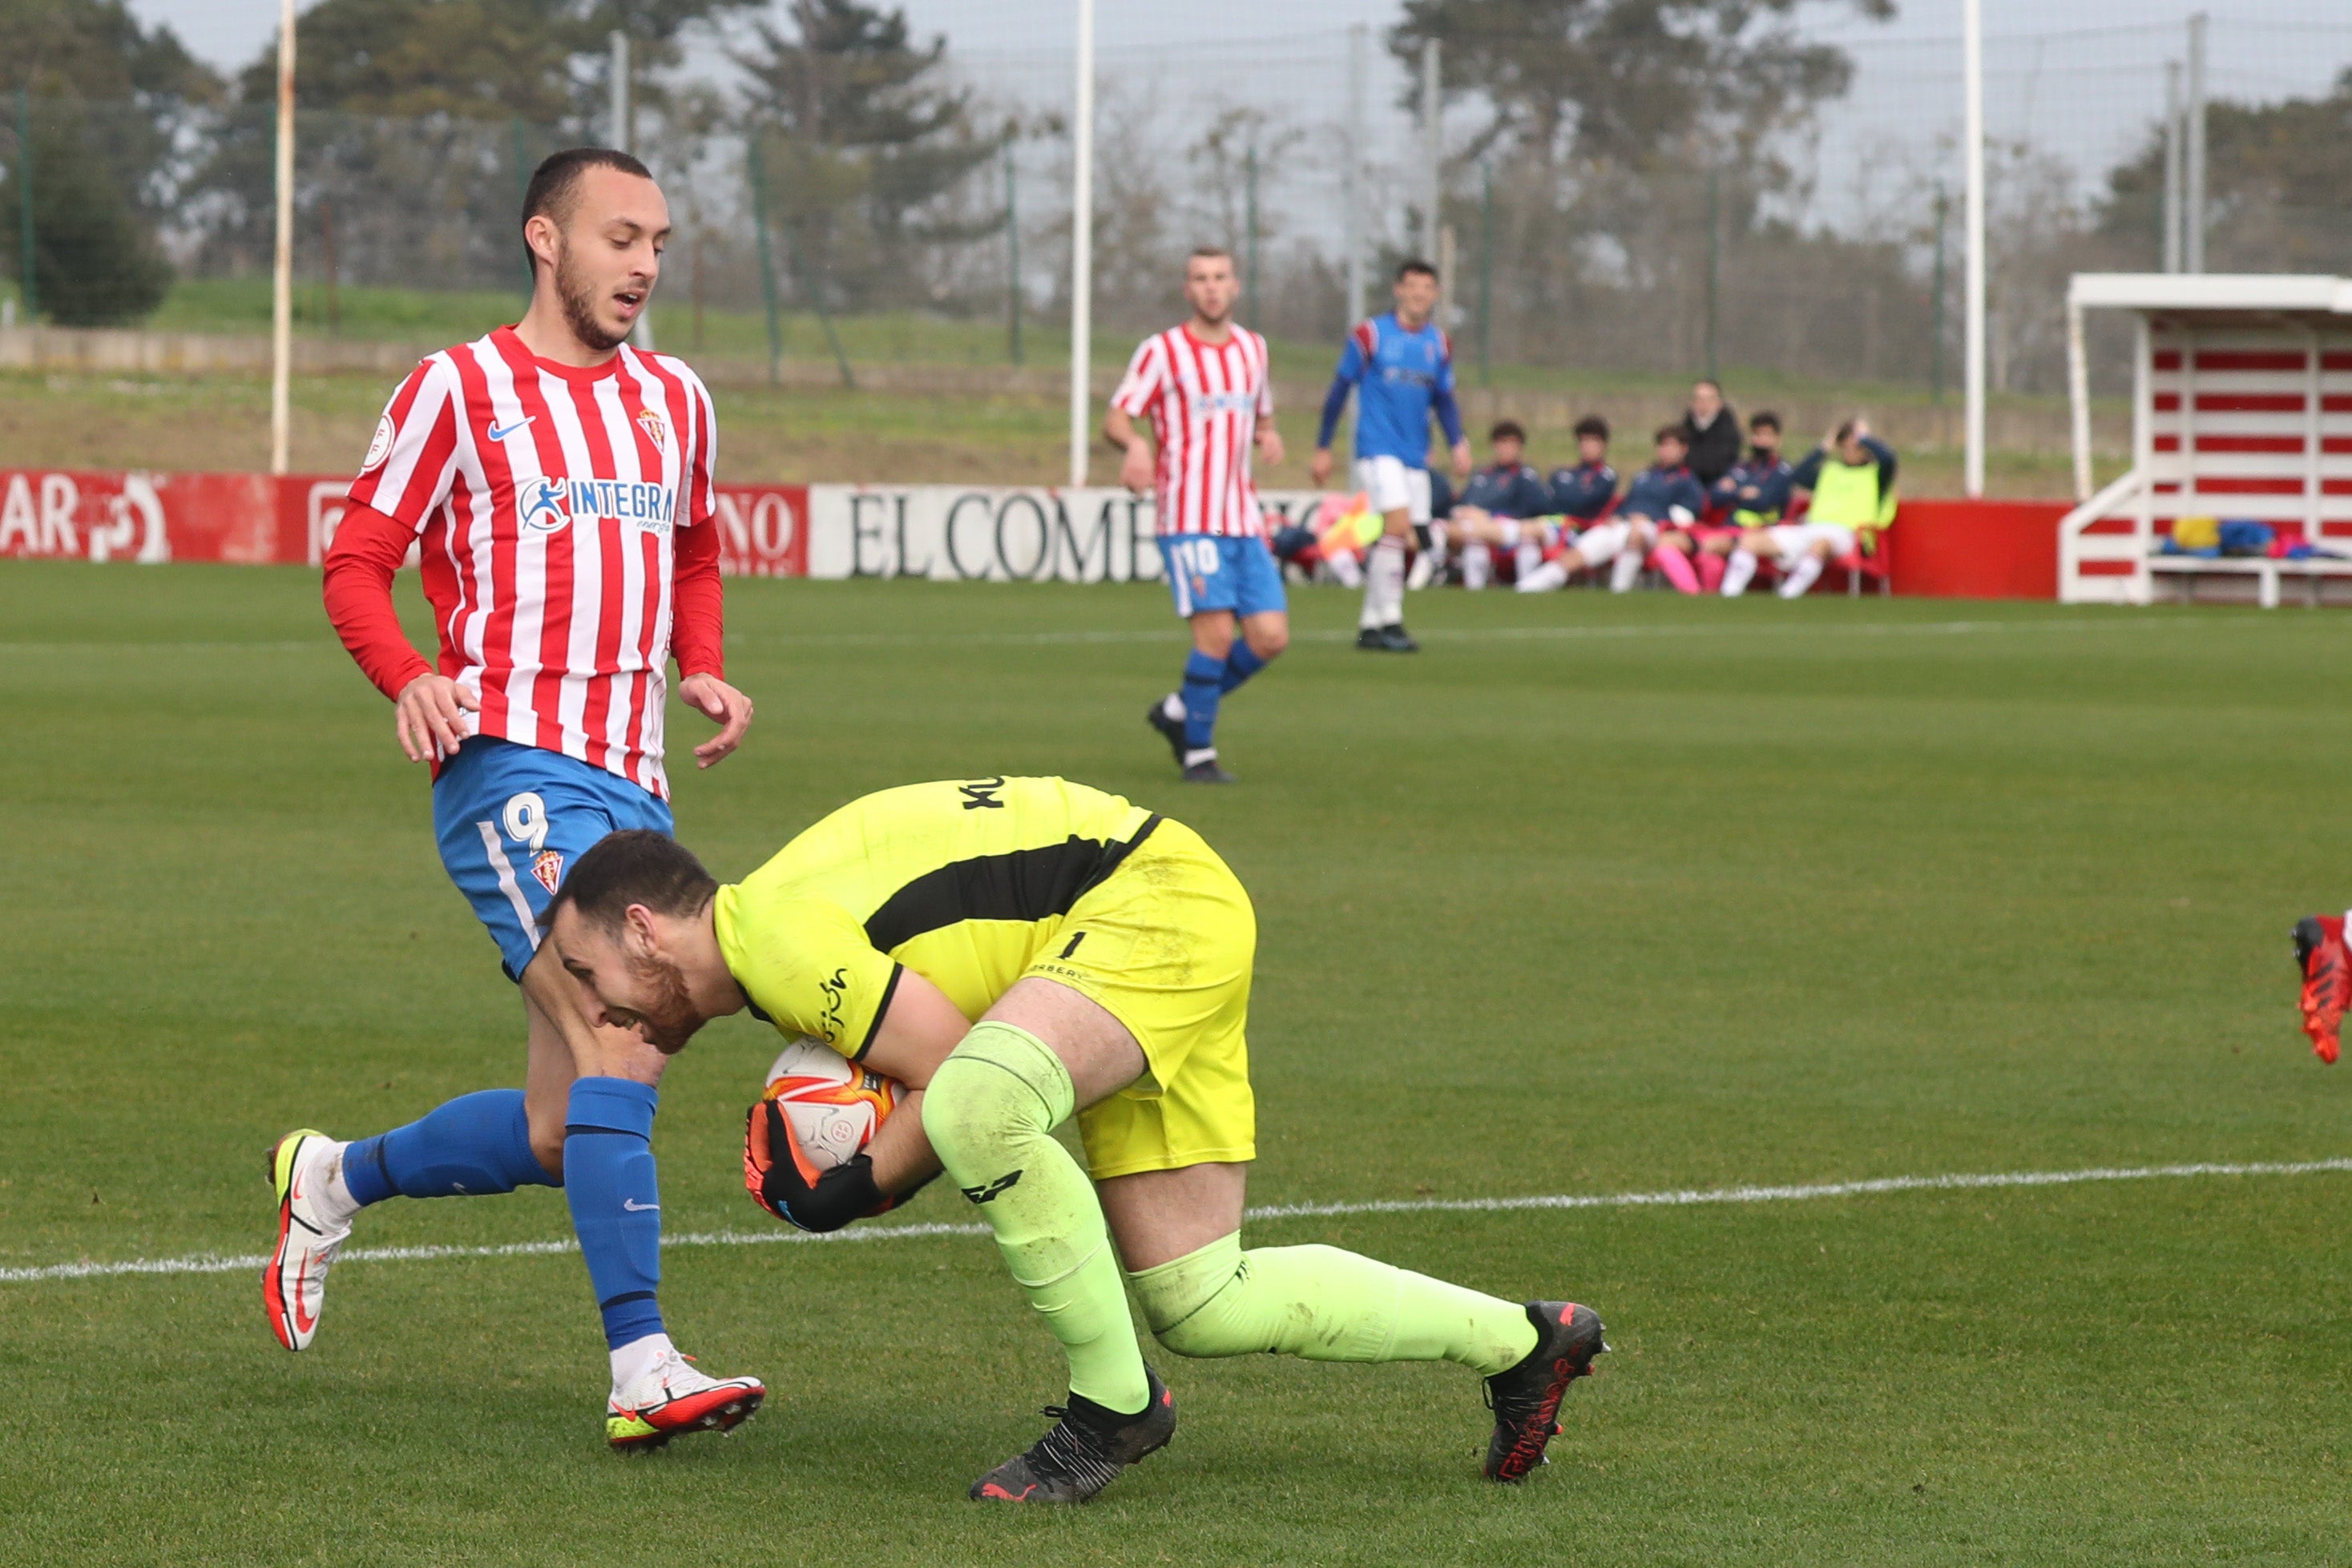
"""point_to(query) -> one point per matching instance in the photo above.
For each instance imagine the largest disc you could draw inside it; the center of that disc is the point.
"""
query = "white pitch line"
(214, 1263)
(1435, 634)
(1463, 633)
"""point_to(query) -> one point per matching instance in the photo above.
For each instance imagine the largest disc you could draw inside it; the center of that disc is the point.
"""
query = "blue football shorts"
(511, 819)
(1211, 571)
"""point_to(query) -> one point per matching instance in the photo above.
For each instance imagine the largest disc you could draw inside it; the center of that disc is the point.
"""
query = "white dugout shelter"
(2241, 408)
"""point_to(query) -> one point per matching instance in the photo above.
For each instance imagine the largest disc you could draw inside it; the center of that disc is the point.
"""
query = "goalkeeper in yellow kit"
(1018, 951)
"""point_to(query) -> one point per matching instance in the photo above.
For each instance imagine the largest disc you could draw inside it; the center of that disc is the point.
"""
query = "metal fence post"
(756, 167)
(24, 201)
(1935, 303)
(1714, 267)
(522, 199)
(811, 281)
(1249, 252)
(1012, 252)
(1486, 273)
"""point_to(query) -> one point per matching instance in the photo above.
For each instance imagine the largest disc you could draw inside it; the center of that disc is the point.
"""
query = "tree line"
(1640, 155)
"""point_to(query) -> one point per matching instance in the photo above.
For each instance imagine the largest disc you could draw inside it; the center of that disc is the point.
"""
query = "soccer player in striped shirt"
(1204, 387)
(556, 484)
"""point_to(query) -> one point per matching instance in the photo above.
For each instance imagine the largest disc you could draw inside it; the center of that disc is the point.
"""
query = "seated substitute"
(1496, 502)
(1664, 498)
(1582, 492)
(1850, 478)
(1105, 953)
(1753, 494)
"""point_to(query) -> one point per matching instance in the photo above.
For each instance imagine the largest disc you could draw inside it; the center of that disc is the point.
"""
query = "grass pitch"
(1595, 895)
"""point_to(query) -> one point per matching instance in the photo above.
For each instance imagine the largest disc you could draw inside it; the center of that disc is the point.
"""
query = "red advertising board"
(1977, 549)
(1990, 550)
(254, 520)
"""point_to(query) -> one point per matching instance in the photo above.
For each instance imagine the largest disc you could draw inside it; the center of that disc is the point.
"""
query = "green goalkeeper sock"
(1324, 1305)
(990, 1112)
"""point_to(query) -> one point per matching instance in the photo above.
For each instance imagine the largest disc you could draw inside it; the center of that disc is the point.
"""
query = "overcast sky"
(2082, 79)
(231, 32)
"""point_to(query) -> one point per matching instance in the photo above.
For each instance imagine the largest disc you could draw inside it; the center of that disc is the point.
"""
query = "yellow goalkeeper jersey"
(966, 882)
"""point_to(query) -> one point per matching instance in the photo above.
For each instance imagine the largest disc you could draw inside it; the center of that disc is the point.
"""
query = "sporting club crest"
(381, 447)
(656, 428)
(548, 866)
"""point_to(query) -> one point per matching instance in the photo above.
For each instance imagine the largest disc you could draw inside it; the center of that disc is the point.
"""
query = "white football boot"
(294, 1283)
(670, 1397)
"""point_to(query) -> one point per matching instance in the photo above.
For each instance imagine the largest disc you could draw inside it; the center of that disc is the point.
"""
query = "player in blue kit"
(1401, 367)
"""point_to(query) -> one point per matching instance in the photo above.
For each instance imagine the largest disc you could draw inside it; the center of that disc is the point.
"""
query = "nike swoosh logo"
(499, 435)
(634, 1207)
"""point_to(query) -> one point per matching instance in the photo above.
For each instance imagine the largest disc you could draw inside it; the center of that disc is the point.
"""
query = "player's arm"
(1884, 452)
(1145, 374)
(1136, 459)
(1267, 438)
(429, 708)
(1442, 403)
(404, 476)
(697, 640)
(1348, 371)
(698, 598)
(1807, 475)
(914, 1037)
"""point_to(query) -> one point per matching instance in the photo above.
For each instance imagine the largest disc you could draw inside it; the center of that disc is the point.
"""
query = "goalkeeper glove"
(795, 1191)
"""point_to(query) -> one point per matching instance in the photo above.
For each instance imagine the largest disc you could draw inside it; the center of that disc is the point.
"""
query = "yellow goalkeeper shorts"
(1165, 944)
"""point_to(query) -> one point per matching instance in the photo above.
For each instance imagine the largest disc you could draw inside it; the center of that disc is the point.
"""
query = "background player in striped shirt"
(1401, 367)
(557, 487)
(1204, 387)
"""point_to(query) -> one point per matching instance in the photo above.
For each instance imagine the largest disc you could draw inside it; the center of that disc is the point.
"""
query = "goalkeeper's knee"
(994, 1095)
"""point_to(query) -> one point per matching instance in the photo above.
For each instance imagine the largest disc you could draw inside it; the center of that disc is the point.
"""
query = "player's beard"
(578, 298)
(668, 1015)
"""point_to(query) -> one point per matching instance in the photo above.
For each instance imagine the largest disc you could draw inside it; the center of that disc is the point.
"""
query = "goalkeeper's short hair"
(635, 865)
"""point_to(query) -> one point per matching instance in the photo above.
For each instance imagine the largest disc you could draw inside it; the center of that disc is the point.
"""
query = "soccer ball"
(834, 1105)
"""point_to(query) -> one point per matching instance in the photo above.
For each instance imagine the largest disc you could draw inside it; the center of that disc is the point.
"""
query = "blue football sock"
(1241, 662)
(1203, 685)
(608, 1171)
(476, 1143)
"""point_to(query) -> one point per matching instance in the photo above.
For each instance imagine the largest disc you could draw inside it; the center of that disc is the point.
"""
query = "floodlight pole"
(1351, 184)
(1433, 130)
(2192, 237)
(624, 141)
(2172, 152)
(281, 301)
(1972, 49)
(1082, 243)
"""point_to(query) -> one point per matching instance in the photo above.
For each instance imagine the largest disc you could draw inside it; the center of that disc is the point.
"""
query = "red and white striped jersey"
(1204, 401)
(545, 497)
